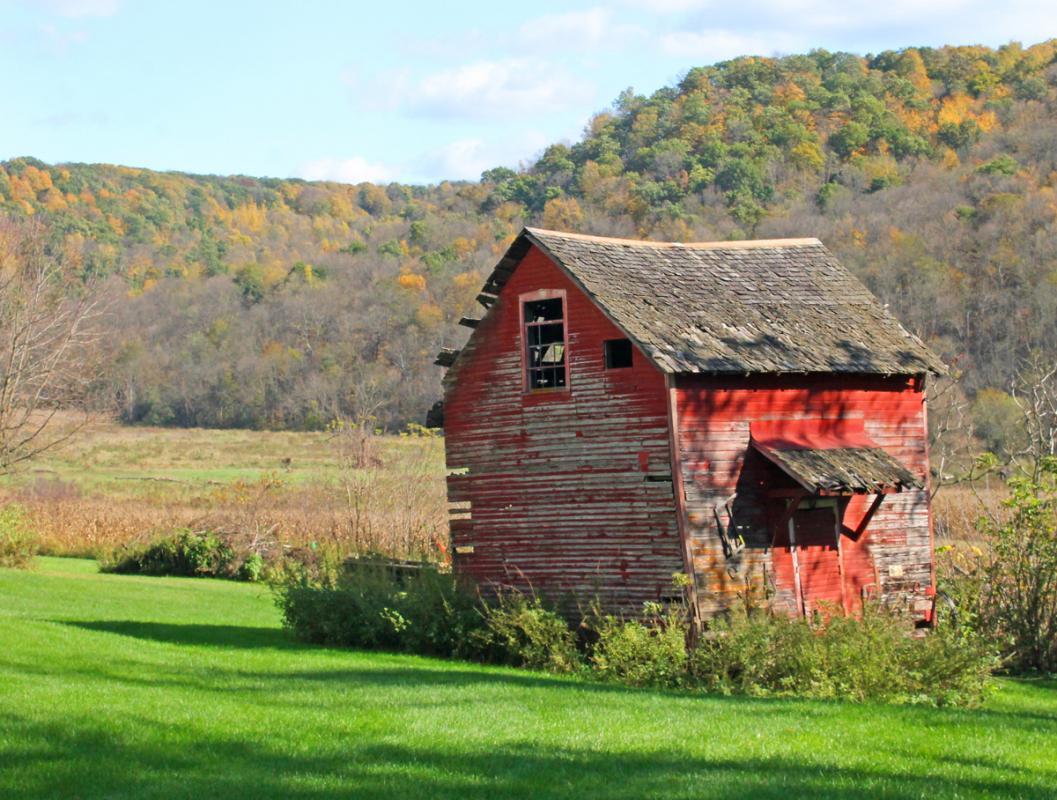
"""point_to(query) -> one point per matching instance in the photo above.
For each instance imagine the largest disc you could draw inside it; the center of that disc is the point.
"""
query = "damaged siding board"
(715, 414)
(569, 491)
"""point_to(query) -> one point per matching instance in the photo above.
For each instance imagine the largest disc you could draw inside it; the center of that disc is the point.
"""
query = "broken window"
(545, 362)
(618, 353)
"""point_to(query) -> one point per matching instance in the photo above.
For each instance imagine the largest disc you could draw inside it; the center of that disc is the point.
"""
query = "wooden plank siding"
(891, 559)
(564, 492)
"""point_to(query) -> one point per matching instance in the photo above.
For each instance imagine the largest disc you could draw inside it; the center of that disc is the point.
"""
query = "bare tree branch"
(49, 319)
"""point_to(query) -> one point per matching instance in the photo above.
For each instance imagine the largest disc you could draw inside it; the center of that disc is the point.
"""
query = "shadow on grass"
(392, 669)
(163, 761)
(237, 636)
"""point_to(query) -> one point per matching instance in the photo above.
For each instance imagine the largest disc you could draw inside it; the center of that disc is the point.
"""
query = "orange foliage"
(410, 280)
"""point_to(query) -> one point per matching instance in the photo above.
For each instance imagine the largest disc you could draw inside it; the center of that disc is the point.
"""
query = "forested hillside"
(255, 302)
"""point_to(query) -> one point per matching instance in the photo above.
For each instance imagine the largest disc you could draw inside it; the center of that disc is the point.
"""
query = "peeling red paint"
(570, 492)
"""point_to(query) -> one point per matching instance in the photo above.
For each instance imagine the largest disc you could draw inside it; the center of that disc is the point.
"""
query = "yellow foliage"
(54, 200)
(249, 217)
(807, 156)
(467, 280)
(342, 206)
(21, 190)
(788, 92)
(507, 211)
(38, 179)
(410, 280)
(273, 275)
(463, 247)
(912, 67)
(955, 109)
(950, 158)
(429, 315)
(563, 214)
(117, 225)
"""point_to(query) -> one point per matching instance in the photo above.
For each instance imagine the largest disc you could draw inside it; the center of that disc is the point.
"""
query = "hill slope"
(931, 173)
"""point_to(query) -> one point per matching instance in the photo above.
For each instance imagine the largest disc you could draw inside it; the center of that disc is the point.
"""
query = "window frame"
(531, 297)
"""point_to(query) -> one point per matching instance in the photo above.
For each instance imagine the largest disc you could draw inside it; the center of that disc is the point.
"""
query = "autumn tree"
(48, 329)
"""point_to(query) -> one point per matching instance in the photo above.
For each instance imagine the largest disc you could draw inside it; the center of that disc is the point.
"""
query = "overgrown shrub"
(648, 652)
(1006, 589)
(379, 605)
(522, 631)
(869, 658)
(192, 553)
(371, 605)
(18, 540)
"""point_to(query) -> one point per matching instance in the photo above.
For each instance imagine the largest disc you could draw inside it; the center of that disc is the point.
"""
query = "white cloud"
(78, 9)
(720, 45)
(591, 28)
(483, 89)
(346, 170)
(466, 159)
(59, 41)
(668, 6)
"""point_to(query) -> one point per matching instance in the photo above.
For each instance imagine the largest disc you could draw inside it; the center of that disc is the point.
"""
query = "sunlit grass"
(146, 687)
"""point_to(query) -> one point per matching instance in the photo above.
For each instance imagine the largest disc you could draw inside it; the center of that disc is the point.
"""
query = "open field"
(114, 483)
(114, 686)
(111, 484)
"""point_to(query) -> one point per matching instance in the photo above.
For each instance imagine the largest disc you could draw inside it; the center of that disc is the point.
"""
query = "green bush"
(18, 541)
(870, 658)
(192, 553)
(651, 652)
(372, 606)
(522, 631)
(1006, 590)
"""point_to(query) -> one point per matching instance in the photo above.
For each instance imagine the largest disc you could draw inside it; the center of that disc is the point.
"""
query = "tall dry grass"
(395, 504)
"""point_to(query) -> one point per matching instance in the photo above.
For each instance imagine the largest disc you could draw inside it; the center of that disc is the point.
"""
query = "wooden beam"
(787, 515)
(837, 528)
(860, 529)
(681, 522)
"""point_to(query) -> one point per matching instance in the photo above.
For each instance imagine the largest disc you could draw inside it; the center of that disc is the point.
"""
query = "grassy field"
(120, 687)
(111, 484)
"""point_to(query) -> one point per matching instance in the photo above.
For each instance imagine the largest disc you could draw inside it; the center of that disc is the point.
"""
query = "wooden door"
(807, 559)
(818, 555)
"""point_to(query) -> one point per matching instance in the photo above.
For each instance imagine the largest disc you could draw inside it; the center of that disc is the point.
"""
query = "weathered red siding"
(566, 492)
(892, 559)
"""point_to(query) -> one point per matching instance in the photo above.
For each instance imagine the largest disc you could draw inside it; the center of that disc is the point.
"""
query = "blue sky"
(403, 91)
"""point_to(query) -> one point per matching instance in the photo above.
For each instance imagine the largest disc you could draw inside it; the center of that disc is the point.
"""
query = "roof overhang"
(833, 457)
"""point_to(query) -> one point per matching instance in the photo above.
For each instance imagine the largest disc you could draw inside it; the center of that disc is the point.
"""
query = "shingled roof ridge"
(741, 244)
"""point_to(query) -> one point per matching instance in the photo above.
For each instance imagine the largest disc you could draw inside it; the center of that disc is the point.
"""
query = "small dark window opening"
(618, 353)
(545, 362)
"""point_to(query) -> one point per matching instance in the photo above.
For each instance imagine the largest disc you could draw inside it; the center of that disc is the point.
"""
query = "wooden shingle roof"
(842, 470)
(773, 306)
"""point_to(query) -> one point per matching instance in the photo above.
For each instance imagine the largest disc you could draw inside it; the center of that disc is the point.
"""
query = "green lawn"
(114, 686)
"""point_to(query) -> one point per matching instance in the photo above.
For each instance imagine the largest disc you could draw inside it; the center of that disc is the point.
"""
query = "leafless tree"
(47, 336)
(1035, 393)
(950, 432)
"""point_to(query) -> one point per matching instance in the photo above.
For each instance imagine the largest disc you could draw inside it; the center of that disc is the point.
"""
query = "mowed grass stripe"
(116, 686)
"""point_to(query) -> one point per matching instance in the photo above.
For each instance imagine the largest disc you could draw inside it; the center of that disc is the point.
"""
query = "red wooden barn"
(745, 413)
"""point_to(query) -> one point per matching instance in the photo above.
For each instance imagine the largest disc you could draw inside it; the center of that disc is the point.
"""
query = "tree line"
(283, 303)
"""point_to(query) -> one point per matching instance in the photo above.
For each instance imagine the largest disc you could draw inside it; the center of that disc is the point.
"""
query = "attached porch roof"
(834, 462)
